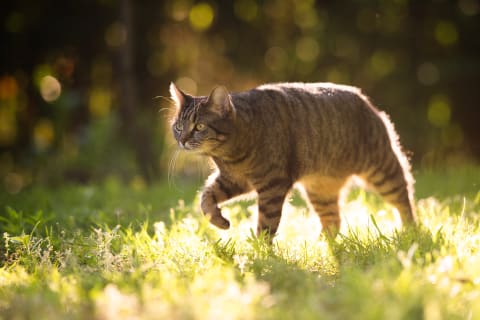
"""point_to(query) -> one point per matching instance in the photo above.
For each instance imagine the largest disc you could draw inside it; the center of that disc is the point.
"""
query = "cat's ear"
(220, 103)
(179, 96)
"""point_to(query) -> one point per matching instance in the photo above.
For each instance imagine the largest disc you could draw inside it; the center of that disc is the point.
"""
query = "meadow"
(127, 251)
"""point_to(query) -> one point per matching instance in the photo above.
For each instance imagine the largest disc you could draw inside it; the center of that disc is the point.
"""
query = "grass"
(127, 252)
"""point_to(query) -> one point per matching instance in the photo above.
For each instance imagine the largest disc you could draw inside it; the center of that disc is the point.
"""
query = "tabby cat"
(268, 138)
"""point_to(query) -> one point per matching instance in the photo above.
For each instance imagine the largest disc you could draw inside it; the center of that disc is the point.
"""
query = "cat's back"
(305, 102)
(319, 123)
(300, 96)
(312, 88)
(325, 90)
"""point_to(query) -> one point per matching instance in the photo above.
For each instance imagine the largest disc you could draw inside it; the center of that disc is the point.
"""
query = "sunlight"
(182, 270)
(357, 216)
(219, 296)
(101, 204)
(111, 303)
(299, 224)
(16, 276)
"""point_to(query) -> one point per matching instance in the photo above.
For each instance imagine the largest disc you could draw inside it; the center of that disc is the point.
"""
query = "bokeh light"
(306, 17)
(116, 35)
(8, 128)
(43, 134)
(382, 63)
(446, 33)
(428, 74)
(469, 7)
(50, 88)
(307, 49)
(13, 182)
(99, 102)
(9, 90)
(401, 53)
(187, 84)
(439, 111)
(201, 16)
(276, 58)
(180, 9)
(8, 87)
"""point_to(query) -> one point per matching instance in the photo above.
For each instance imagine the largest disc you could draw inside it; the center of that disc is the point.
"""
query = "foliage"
(77, 99)
(73, 256)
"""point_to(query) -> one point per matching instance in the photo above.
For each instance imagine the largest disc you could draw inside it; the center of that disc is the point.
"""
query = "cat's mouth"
(203, 148)
(185, 146)
(190, 146)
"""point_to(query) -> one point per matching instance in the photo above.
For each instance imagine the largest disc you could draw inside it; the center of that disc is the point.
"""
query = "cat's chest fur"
(246, 169)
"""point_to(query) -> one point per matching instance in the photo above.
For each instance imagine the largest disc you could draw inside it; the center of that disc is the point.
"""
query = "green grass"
(121, 252)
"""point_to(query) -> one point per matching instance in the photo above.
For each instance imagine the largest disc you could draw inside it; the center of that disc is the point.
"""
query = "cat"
(273, 136)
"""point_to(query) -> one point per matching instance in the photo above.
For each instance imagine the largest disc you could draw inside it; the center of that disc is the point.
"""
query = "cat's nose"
(183, 142)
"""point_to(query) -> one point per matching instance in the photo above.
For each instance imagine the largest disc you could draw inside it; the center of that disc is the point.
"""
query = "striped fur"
(268, 138)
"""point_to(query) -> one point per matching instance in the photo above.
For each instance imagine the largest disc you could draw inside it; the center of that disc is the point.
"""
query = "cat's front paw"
(217, 219)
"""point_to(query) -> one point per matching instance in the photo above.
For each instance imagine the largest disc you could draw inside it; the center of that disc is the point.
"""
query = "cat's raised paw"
(218, 221)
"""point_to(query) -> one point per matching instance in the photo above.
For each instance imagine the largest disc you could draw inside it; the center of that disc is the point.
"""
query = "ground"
(111, 251)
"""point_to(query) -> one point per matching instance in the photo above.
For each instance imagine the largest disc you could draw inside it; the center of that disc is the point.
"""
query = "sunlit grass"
(87, 262)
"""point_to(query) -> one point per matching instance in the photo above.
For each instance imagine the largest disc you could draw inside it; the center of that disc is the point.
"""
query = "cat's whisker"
(168, 99)
(163, 109)
(171, 168)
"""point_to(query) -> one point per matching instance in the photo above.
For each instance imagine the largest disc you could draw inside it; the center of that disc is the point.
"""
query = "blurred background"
(80, 80)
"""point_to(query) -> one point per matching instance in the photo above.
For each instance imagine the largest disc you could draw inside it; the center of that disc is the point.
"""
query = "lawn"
(115, 251)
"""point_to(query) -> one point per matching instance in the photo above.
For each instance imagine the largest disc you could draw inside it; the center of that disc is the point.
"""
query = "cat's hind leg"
(393, 181)
(324, 195)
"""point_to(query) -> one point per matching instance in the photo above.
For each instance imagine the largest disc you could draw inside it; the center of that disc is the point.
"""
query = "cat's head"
(202, 123)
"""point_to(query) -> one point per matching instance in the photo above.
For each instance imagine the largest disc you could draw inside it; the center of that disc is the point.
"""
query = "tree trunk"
(138, 137)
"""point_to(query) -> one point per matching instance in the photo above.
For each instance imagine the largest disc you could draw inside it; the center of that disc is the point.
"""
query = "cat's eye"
(179, 126)
(200, 127)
